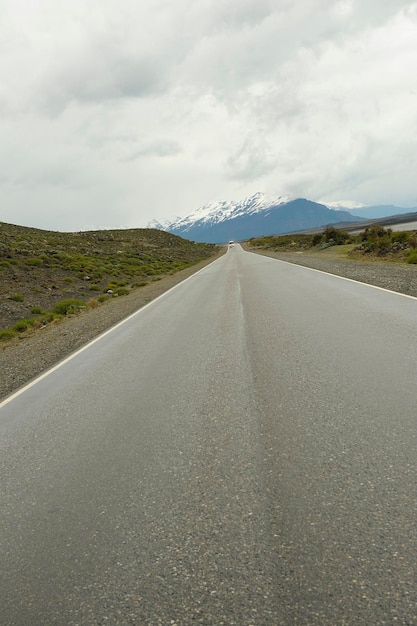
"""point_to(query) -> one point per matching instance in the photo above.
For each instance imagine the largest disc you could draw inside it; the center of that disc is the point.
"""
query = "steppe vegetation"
(47, 275)
(373, 243)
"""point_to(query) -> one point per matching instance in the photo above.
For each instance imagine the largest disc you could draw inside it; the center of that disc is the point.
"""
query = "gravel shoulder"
(27, 357)
(394, 276)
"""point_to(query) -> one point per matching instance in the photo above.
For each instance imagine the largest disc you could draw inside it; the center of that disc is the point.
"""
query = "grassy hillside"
(46, 274)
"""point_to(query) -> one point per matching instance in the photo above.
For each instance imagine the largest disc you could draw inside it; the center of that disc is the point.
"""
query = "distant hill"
(377, 211)
(41, 271)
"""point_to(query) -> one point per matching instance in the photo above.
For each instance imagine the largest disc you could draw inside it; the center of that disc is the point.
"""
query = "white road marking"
(350, 280)
(50, 371)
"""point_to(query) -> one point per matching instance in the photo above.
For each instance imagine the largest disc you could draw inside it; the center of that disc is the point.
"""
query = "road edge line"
(72, 356)
(351, 280)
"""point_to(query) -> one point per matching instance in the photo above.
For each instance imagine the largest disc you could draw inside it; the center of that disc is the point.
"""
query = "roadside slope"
(28, 356)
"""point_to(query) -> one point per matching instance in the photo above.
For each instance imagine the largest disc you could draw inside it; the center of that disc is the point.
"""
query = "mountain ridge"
(258, 214)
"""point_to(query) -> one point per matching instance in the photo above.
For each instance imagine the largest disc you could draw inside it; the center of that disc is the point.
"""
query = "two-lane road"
(241, 451)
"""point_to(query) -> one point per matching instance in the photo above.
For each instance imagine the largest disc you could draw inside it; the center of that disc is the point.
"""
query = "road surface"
(241, 451)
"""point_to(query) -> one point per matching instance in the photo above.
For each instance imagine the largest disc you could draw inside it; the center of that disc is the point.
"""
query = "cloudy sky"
(117, 112)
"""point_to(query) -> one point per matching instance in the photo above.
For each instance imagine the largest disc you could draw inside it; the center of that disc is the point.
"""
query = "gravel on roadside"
(394, 276)
(25, 358)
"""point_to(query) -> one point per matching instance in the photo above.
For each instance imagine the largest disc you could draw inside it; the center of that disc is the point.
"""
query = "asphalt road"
(241, 451)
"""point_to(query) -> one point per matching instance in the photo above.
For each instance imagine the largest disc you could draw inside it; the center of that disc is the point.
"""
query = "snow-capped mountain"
(256, 215)
(345, 205)
(216, 212)
(161, 224)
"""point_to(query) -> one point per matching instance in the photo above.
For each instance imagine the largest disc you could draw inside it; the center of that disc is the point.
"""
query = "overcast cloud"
(116, 113)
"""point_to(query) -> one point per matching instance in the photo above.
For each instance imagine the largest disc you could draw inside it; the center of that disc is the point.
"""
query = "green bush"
(69, 305)
(317, 239)
(34, 262)
(401, 236)
(412, 242)
(37, 310)
(6, 335)
(375, 232)
(335, 236)
(17, 297)
(377, 239)
(47, 318)
(412, 256)
(22, 325)
(122, 291)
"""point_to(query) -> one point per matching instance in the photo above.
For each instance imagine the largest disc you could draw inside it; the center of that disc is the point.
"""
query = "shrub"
(17, 297)
(317, 239)
(33, 262)
(401, 236)
(37, 310)
(377, 239)
(22, 325)
(111, 286)
(335, 236)
(69, 305)
(412, 242)
(122, 291)
(375, 232)
(47, 317)
(412, 256)
(6, 335)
